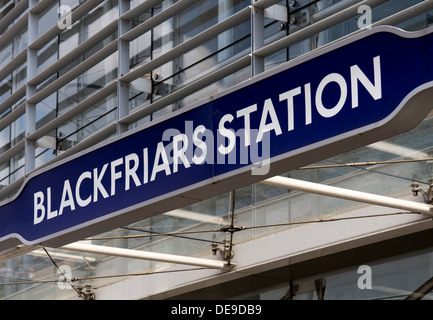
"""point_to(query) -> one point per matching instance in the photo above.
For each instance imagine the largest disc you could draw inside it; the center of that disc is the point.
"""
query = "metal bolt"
(415, 188)
(155, 76)
(292, 20)
(282, 26)
(292, 3)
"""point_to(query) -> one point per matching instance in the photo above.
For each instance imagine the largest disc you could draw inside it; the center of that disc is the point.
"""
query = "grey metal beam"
(190, 44)
(77, 109)
(16, 62)
(13, 98)
(12, 116)
(12, 151)
(40, 42)
(399, 17)
(15, 12)
(188, 89)
(13, 31)
(74, 53)
(42, 5)
(75, 72)
(157, 19)
(107, 132)
(315, 28)
(76, 15)
(140, 9)
(409, 13)
(11, 188)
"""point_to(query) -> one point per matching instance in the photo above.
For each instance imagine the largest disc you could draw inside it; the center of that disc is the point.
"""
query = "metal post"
(32, 59)
(123, 66)
(257, 39)
(346, 194)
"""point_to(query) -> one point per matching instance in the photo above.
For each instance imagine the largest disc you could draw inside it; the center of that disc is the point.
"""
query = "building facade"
(74, 74)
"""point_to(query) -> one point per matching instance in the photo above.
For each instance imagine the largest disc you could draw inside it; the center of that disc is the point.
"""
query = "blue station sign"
(349, 94)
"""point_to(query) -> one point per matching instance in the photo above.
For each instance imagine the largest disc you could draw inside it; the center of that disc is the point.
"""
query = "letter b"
(38, 207)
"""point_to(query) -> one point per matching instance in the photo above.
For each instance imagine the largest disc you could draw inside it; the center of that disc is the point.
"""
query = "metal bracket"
(141, 84)
(162, 89)
(317, 285)
(225, 253)
(427, 195)
(87, 293)
(276, 12)
(299, 13)
(320, 285)
(47, 142)
(300, 19)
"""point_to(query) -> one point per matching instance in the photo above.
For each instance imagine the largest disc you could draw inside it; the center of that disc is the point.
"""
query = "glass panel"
(20, 42)
(5, 7)
(87, 123)
(88, 83)
(5, 89)
(389, 279)
(5, 55)
(48, 20)
(100, 17)
(192, 65)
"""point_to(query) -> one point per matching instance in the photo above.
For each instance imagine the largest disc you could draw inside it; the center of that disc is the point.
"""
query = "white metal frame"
(146, 255)
(347, 194)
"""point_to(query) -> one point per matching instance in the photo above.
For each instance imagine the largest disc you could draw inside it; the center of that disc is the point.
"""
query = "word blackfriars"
(241, 136)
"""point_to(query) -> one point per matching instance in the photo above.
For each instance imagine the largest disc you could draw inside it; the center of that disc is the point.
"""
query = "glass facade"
(391, 279)
(62, 90)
